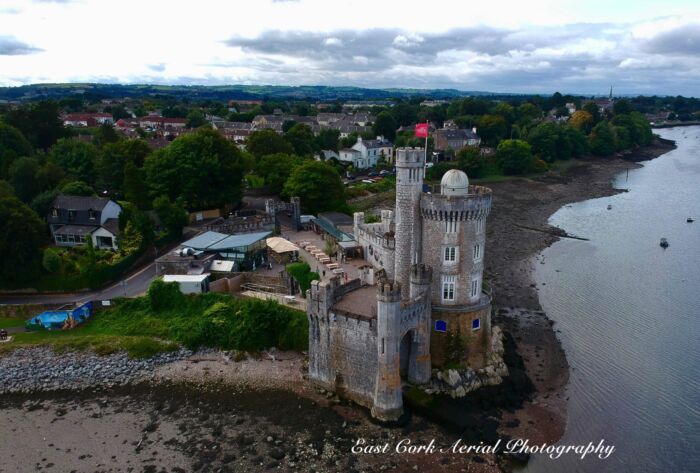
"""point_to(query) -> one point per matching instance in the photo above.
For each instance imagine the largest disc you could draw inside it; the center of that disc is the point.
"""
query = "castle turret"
(388, 404)
(410, 169)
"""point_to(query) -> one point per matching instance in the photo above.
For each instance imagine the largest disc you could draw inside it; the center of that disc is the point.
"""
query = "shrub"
(301, 272)
(164, 295)
(51, 260)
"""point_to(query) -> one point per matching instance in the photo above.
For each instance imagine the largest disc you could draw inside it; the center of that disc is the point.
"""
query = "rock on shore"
(41, 369)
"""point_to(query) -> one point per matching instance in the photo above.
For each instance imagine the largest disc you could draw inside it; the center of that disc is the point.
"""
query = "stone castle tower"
(425, 273)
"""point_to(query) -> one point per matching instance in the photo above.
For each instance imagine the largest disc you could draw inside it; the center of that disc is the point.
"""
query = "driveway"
(134, 285)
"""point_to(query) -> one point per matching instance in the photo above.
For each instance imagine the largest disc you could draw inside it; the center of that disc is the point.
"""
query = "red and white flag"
(421, 130)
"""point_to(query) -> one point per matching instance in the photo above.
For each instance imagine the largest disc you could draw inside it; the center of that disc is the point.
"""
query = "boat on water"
(609, 206)
(690, 220)
(663, 243)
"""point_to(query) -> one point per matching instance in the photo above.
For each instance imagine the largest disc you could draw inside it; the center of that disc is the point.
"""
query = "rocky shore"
(28, 370)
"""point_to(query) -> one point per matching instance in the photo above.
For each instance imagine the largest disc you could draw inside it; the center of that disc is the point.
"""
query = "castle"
(418, 303)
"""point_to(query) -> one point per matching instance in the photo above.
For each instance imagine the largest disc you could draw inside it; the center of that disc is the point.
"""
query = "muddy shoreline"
(517, 232)
(211, 413)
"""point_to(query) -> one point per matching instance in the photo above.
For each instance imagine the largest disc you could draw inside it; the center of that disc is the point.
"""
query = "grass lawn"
(212, 320)
(7, 322)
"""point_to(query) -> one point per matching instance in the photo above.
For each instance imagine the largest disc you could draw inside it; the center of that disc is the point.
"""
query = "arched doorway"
(405, 353)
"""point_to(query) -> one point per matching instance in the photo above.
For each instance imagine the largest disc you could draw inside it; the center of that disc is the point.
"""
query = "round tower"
(454, 235)
(410, 170)
(388, 404)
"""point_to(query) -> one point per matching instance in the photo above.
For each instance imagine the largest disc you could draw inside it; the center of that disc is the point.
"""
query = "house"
(352, 156)
(75, 219)
(87, 119)
(456, 139)
(157, 122)
(371, 151)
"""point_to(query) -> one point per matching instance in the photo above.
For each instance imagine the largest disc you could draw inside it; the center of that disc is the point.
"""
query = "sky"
(533, 46)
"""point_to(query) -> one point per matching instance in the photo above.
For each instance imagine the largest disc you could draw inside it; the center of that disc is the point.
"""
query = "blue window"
(440, 326)
(476, 324)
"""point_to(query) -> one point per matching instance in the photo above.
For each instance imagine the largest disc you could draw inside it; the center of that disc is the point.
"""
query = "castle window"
(71, 215)
(476, 324)
(91, 214)
(54, 212)
(480, 226)
(448, 288)
(477, 252)
(450, 254)
(440, 326)
(475, 287)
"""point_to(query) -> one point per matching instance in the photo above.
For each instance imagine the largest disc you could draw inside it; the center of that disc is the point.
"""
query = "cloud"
(160, 67)
(579, 57)
(10, 46)
(683, 40)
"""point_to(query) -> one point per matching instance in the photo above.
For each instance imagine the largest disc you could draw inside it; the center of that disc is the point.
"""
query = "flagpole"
(427, 132)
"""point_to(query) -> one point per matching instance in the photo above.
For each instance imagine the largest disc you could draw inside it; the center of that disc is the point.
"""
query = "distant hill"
(224, 92)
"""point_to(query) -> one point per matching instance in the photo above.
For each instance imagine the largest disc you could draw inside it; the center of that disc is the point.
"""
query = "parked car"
(383, 172)
(373, 174)
(368, 181)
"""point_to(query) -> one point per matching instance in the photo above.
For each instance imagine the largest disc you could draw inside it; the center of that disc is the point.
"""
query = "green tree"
(105, 134)
(276, 169)
(385, 125)
(22, 233)
(302, 139)
(24, 178)
(473, 163)
(622, 107)
(173, 216)
(514, 157)
(594, 110)
(602, 139)
(195, 119)
(12, 145)
(43, 203)
(267, 141)
(527, 113)
(113, 158)
(39, 122)
(328, 138)
(77, 188)
(302, 274)
(202, 168)
(318, 185)
(492, 129)
(77, 159)
(135, 188)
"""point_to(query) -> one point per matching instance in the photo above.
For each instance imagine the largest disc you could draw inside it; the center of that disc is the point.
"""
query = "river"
(629, 315)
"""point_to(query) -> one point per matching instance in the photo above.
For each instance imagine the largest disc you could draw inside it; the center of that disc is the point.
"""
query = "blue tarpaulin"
(56, 319)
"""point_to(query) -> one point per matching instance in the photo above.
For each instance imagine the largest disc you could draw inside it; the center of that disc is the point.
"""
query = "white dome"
(455, 182)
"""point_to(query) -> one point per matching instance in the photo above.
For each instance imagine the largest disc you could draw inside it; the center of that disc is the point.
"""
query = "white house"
(372, 150)
(352, 156)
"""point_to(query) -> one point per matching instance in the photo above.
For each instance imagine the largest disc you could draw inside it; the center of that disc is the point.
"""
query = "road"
(134, 285)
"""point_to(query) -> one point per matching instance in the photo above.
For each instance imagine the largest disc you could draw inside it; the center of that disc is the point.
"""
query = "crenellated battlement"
(389, 291)
(410, 157)
(474, 206)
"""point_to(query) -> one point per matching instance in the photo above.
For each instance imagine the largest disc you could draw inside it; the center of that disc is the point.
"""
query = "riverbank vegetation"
(166, 319)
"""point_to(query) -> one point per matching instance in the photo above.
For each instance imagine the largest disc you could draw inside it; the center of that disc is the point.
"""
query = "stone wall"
(475, 342)
(377, 245)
